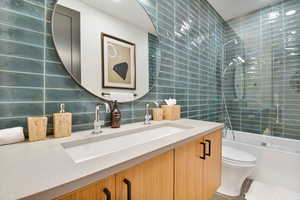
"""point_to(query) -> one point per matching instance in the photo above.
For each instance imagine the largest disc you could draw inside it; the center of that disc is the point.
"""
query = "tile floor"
(222, 197)
(245, 188)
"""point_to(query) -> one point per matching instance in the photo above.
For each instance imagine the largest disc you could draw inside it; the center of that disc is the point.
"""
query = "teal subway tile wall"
(153, 55)
(34, 82)
(269, 80)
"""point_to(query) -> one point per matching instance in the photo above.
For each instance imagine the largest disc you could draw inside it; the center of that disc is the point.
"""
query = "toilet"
(237, 165)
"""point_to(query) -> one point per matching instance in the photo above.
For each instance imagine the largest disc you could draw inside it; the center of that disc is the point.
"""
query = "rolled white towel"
(11, 135)
(121, 96)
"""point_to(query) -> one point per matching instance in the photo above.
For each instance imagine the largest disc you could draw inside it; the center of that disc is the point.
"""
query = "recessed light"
(290, 12)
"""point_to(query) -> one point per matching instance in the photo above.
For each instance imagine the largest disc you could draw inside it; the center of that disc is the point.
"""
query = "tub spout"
(228, 130)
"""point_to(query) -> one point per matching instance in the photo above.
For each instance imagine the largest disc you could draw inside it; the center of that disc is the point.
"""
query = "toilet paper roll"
(11, 135)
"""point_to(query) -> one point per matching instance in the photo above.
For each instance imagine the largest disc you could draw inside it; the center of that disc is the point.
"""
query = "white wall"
(93, 23)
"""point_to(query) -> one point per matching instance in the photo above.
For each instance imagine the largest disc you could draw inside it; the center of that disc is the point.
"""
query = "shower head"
(235, 41)
(240, 59)
(237, 61)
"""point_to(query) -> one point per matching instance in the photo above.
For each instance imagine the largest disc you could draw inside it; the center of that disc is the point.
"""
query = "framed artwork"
(118, 63)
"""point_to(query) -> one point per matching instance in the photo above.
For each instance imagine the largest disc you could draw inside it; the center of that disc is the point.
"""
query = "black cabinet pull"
(128, 183)
(209, 148)
(204, 150)
(107, 193)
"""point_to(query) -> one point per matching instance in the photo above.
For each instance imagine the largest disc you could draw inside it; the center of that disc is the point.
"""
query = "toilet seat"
(234, 156)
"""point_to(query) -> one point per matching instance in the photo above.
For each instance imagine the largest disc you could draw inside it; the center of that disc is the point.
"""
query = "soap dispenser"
(115, 115)
(62, 123)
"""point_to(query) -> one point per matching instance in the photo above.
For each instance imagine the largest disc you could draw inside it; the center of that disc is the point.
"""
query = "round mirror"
(109, 47)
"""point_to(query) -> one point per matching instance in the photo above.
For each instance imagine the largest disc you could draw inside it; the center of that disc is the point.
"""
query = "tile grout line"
(159, 43)
(173, 48)
(22, 43)
(45, 43)
(188, 71)
(34, 4)
(21, 28)
(20, 57)
(22, 14)
(284, 76)
(35, 73)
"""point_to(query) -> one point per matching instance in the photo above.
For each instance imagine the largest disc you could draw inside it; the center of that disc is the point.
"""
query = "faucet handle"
(62, 108)
(156, 103)
(107, 107)
(98, 105)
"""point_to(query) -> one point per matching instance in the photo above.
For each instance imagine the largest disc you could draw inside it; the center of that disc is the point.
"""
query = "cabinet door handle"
(204, 150)
(107, 193)
(209, 148)
(128, 183)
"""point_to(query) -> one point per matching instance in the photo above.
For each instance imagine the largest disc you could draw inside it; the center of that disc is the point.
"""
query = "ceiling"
(126, 10)
(230, 9)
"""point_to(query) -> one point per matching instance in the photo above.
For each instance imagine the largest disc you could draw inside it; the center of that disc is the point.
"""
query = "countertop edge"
(84, 181)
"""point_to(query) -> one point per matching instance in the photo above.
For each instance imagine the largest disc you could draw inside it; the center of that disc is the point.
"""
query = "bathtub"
(278, 159)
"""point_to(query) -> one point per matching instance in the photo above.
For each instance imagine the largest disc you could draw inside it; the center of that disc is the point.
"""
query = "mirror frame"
(90, 92)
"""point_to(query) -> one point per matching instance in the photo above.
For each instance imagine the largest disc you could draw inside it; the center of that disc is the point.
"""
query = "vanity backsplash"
(33, 81)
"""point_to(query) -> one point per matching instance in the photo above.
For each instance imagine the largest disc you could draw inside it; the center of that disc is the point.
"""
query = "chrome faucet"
(227, 130)
(148, 116)
(98, 122)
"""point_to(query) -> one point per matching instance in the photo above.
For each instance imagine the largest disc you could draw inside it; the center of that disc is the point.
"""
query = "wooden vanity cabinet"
(101, 190)
(71, 196)
(198, 168)
(190, 172)
(212, 164)
(150, 180)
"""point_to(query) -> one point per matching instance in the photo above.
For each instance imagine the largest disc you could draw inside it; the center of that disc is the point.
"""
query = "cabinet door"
(101, 190)
(107, 189)
(150, 180)
(213, 163)
(71, 196)
(89, 192)
(189, 162)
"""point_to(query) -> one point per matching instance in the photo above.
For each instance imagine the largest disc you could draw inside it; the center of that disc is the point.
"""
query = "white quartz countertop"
(40, 170)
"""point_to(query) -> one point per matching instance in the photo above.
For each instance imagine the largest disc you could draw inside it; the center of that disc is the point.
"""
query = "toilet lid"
(234, 154)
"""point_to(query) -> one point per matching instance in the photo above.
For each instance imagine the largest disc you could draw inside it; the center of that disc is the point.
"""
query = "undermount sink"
(86, 149)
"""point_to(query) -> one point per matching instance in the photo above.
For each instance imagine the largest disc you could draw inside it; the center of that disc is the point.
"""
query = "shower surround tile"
(273, 77)
(34, 82)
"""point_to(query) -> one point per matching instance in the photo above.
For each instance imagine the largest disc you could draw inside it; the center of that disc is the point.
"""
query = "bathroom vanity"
(165, 160)
(171, 175)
